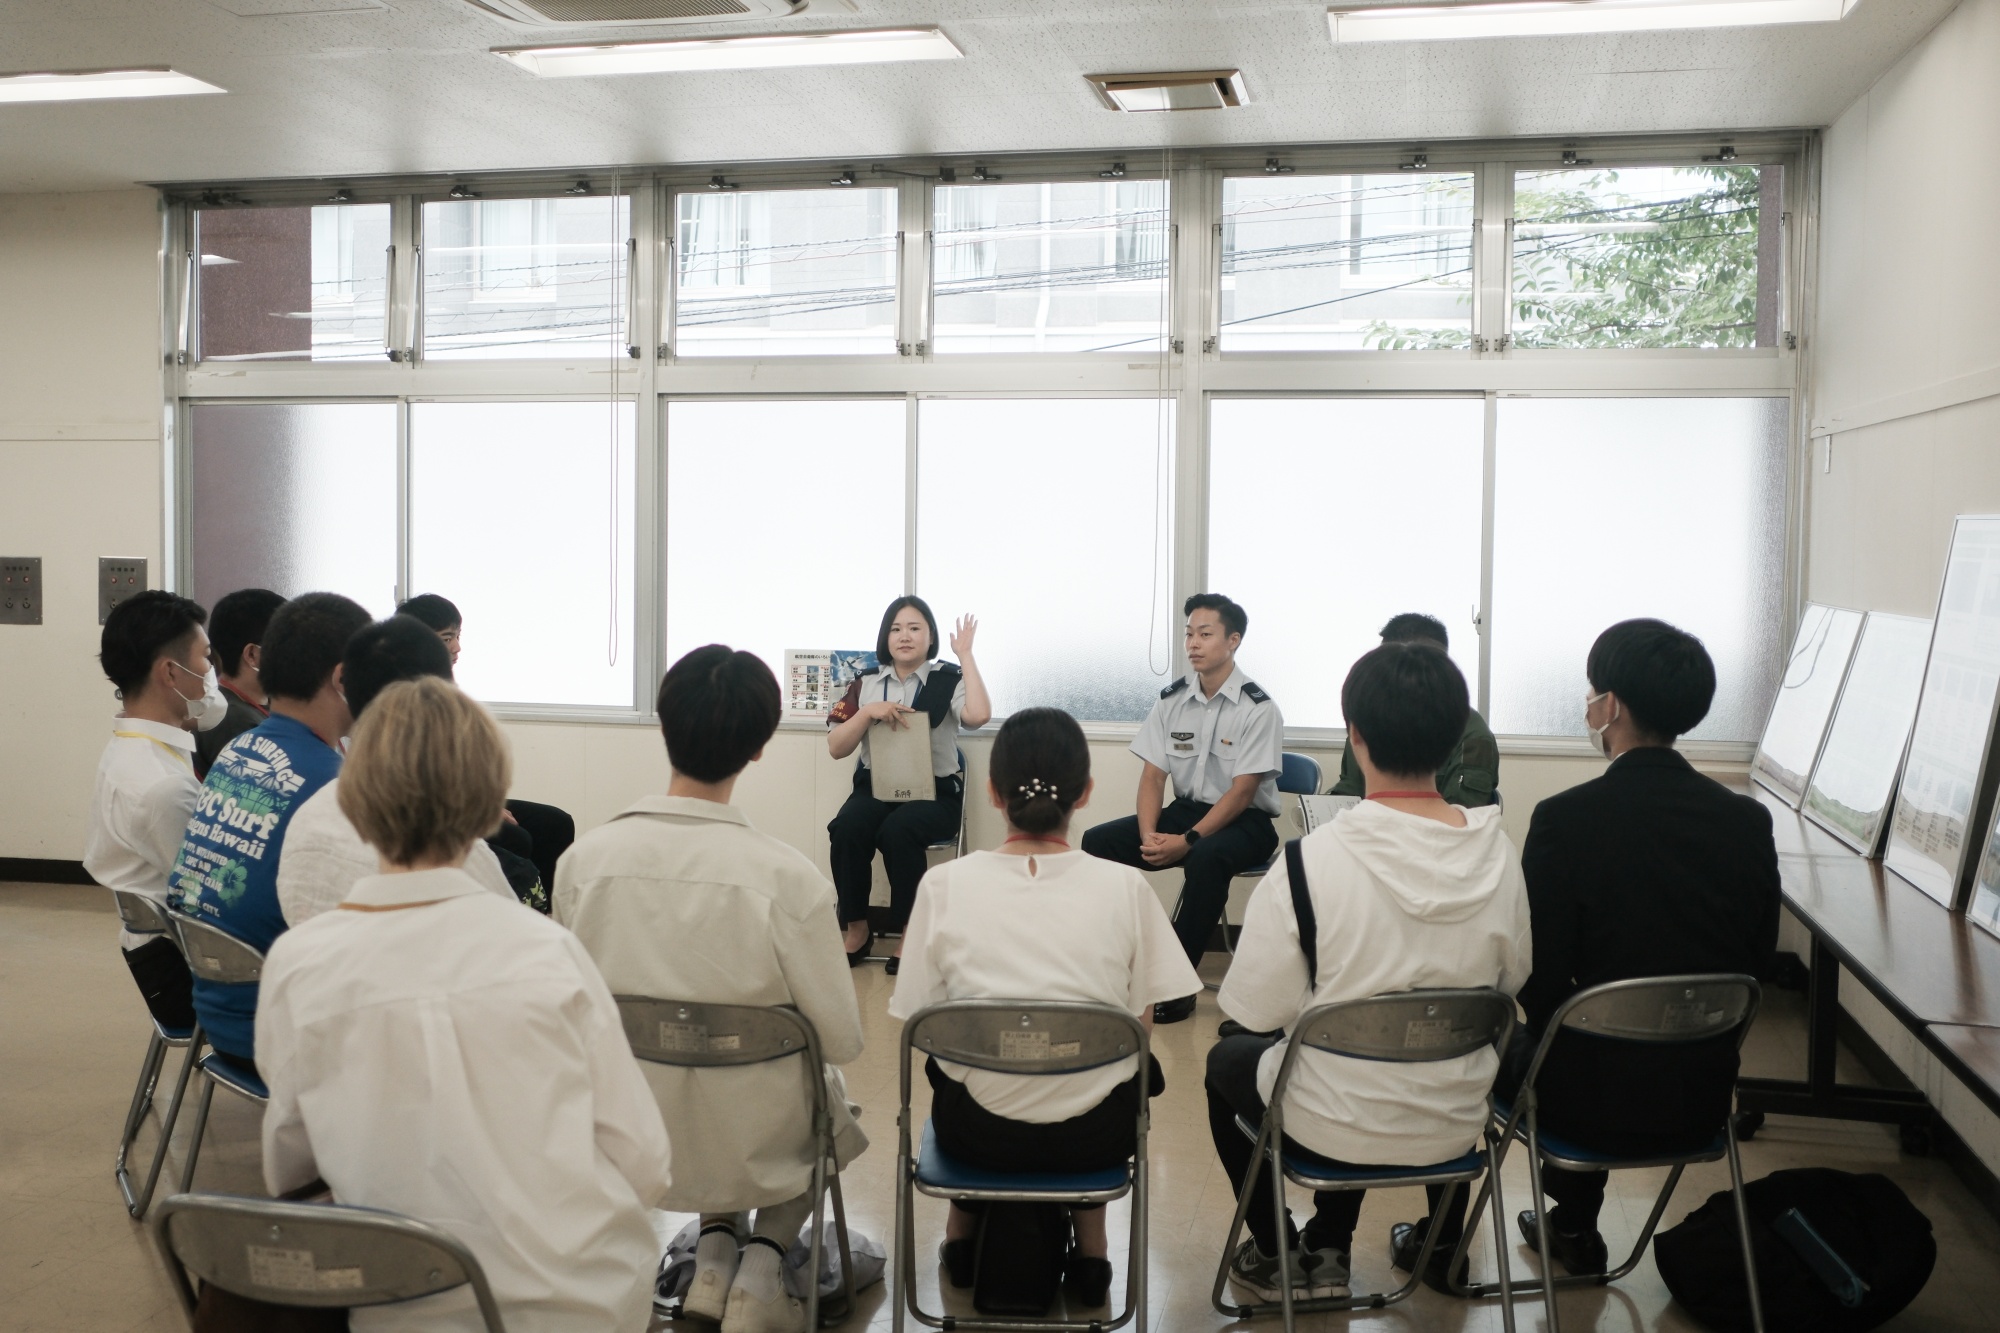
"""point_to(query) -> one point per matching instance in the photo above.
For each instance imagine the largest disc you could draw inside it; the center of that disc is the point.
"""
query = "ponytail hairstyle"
(1040, 766)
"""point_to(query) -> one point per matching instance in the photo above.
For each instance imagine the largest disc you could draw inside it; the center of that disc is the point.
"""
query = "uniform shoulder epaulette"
(1256, 693)
(1174, 688)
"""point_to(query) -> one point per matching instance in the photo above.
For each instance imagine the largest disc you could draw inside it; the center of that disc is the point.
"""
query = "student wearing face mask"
(236, 635)
(1650, 870)
(909, 688)
(155, 651)
(227, 872)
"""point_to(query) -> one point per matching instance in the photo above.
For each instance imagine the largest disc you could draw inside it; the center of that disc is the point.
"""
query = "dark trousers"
(164, 981)
(1210, 864)
(903, 831)
(549, 829)
(1103, 1137)
(1232, 1092)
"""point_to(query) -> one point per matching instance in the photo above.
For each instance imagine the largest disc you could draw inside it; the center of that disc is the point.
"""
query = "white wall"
(1907, 372)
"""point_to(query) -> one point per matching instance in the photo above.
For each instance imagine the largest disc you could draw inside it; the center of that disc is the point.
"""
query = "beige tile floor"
(70, 1259)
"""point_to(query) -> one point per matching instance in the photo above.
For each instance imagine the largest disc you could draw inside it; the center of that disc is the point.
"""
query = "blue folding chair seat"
(1569, 1150)
(939, 1173)
(235, 1075)
(1307, 1167)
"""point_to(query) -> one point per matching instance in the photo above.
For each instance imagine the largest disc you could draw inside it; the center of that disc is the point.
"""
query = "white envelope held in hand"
(899, 759)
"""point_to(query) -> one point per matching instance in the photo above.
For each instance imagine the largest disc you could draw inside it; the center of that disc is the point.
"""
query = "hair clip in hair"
(1035, 787)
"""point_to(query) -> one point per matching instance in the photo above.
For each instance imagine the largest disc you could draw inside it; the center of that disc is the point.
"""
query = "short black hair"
(1235, 620)
(438, 612)
(140, 630)
(379, 655)
(889, 618)
(239, 621)
(304, 642)
(1662, 675)
(1040, 764)
(1416, 627)
(1409, 702)
(718, 707)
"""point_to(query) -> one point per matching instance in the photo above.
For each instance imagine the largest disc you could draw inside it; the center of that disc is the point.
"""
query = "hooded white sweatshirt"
(1403, 902)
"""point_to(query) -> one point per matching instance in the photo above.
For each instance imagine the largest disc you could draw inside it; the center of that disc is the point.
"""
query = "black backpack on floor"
(1836, 1253)
(1020, 1265)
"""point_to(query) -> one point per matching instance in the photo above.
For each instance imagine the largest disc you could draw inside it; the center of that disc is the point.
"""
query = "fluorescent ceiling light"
(767, 52)
(91, 85)
(1551, 18)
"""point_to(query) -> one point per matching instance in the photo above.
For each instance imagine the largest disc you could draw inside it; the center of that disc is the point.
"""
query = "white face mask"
(208, 710)
(1597, 738)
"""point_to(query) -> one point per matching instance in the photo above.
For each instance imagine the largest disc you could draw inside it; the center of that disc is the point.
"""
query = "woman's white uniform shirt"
(435, 1051)
(881, 685)
(1067, 927)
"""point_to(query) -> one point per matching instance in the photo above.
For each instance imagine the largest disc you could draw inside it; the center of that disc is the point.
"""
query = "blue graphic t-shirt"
(227, 872)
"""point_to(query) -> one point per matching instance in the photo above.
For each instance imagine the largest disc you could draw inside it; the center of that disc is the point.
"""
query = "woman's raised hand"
(961, 636)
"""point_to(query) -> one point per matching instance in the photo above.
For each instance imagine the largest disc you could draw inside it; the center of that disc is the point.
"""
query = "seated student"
(679, 898)
(227, 872)
(532, 831)
(435, 1051)
(1037, 921)
(1471, 773)
(324, 853)
(1650, 870)
(157, 656)
(1222, 740)
(1408, 892)
(908, 681)
(236, 635)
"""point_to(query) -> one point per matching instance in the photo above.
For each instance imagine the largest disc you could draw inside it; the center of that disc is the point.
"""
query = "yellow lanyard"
(173, 750)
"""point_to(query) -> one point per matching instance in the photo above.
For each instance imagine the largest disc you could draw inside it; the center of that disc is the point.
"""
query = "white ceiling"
(410, 86)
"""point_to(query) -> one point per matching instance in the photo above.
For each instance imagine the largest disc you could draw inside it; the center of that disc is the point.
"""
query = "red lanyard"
(1404, 795)
(1023, 837)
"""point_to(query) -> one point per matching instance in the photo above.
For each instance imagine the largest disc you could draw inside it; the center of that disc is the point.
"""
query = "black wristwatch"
(1193, 836)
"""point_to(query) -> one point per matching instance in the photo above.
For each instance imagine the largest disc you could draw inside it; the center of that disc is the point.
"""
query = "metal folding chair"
(143, 916)
(1035, 1037)
(312, 1255)
(1298, 775)
(1661, 1011)
(695, 1035)
(216, 955)
(1407, 1027)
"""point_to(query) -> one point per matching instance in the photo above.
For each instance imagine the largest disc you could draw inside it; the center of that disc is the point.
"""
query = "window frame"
(1192, 371)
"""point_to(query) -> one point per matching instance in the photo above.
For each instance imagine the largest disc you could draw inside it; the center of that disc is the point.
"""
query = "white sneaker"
(708, 1295)
(783, 1313)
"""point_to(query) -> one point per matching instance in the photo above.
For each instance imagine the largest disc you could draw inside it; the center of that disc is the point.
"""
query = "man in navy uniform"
(1222, 740)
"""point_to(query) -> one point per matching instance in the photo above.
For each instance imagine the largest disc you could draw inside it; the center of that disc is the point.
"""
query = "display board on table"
(1814, 673)
(1854, 780)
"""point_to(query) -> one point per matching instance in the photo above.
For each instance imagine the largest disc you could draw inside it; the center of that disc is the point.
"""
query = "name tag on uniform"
(1183, 740)
(1227, 741)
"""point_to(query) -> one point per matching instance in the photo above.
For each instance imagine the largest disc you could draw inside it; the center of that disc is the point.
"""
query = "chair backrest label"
(693, 1039)
(294, 1270)
(1687, 1016)
(1036, 1046)
(1422, 1034)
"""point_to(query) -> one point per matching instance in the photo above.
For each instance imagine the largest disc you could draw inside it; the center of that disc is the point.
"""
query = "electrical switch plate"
(20, 590)
(116, 580)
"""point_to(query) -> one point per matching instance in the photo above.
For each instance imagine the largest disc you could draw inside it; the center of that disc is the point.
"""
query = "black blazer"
(1649, 870)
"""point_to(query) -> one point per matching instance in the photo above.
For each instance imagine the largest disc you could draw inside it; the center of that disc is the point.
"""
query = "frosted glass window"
(1301, 490)
(1316, 263)
(294, 497)
(1050, 519)
(784, 523)
(522, 514)
(1611, 508)
(1070, 266)
(785, 272)
(292, 284)
(525, 277)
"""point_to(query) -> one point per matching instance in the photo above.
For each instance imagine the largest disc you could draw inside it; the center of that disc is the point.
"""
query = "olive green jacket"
(1469, 777)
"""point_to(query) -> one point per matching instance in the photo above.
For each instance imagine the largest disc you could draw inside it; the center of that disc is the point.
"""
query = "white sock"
(761, 1272)
(715, 1249)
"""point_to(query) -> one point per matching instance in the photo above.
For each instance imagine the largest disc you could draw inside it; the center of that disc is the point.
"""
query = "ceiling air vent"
(1194, 90)
(624, 13)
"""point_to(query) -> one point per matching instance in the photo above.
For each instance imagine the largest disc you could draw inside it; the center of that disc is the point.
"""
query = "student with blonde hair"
(433, 1050)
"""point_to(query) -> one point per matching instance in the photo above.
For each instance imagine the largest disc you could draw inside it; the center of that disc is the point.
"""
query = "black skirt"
(1103, 1137)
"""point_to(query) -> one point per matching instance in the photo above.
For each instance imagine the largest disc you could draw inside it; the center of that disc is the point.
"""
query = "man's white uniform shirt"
(1207, 742)
(437, 1052)
(681, 899)
(140, 806)
(325, 857)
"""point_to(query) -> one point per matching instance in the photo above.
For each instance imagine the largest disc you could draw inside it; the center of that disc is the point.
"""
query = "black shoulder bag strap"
(936, 695)
(1302, 908)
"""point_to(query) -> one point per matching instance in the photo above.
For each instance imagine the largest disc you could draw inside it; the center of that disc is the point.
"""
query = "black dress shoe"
(1086, 1281)
(1406, 1242)
(892, 966)
(958, 1257)
(857, 957)
(1582, 1253)
(1174, 1011)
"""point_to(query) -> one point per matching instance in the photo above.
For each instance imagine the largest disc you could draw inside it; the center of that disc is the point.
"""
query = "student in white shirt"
(679, 898)
(435, 1051)
(155, 651)
(1408, 892)
(324, 854)
(908, 688)
(1037, 921)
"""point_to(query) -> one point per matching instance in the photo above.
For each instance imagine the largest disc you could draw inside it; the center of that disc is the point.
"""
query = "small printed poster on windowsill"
(815, 678)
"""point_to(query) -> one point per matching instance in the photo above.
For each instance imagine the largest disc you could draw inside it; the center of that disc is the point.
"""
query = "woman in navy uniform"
(908, 683)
